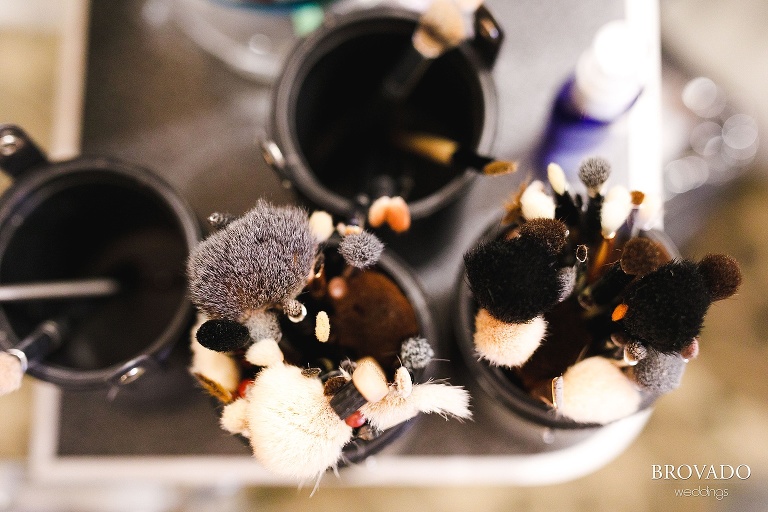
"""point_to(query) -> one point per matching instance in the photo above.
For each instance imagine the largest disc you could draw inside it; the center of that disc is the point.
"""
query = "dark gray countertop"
(156, 99)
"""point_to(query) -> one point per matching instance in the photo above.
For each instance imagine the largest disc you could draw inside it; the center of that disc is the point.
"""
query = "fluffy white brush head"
(596, 391)
(427, 398)
(321, 224)
(11, 373)
(506, 344)
(292, 428)
(557, 179)
(616, 207)
(536, 203)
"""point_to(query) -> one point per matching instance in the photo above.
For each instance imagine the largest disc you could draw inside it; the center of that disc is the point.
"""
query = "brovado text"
(699, 472)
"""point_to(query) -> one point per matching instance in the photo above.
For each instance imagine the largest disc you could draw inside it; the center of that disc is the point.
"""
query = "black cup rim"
(490, 379)
(39, 177)
(285, 96)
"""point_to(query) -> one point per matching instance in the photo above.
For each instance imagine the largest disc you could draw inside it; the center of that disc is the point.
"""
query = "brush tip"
(500, 167)
(416, 353)
(557, 179)
(641, 256)
(441, 27)
(551, 234)
(594, 172)
(721, 274)
(11, 373)
(361, 250)
(223, 335)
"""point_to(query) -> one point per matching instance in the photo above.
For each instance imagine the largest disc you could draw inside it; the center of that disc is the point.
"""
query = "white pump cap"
(611, 73)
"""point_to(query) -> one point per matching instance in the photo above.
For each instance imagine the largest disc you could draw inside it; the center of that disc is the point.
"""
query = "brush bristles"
(594, 172)
(499, 168)
(507, 344)
(596, 391)
(11, 373)
(536, 203)
(557, 179)
(261, 258)
(416, 353)
(441, 27)
(659, 373)
(722, 275)
(641, 256)
(616, 207)
(433, 147)
(551, 234)
(666, 308)
(361, 250)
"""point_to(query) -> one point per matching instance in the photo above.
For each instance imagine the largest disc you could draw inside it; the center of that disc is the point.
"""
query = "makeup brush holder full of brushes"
(92, 256)
(337, 136)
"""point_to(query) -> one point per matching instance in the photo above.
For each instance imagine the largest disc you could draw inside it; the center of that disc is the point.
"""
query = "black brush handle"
(46, 338)
(347, 400)
(17, 151)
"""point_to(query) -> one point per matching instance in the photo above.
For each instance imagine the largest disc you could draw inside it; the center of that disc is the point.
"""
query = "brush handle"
(603, 291)
(46, 338)
(465, 158)
(49, 290)
(408, 71)
(566, 209)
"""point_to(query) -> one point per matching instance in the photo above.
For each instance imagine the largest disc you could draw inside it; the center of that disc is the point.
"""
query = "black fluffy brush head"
(514, 280)
(666, 308)
(223, 335)
(261, 258)
(551, 234)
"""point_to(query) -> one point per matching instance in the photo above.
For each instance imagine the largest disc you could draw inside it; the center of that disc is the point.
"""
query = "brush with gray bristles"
(258, 260)
(361, 250)
(593, 173)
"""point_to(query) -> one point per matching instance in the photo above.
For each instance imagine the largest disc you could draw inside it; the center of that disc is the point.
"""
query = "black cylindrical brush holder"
(334, 137)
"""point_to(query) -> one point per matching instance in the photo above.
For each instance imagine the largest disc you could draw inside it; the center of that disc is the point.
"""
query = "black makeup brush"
(38, 344)
(516, 280)
(450, 153)
(593, 172)
(639, 256)
(665, 309)
(565, 209)
(658, 373)
(368, 384)
(222, 335)
(261, 258)
(440, 28)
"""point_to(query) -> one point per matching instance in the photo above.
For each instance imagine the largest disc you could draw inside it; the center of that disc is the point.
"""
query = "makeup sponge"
(261, 258)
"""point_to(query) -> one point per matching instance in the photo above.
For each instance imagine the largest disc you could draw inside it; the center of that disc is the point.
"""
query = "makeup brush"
(368, 384)
(416, 353)
(593, 173)
(393, 211)
(658, 373)
(220, 220)
(596, 391)
(440, 28)
(361, 250)
(514, 283)
(665, 309)
(405, 400)
(518, 279)
(565, 207)
(617, 205)
(261, 258)
(33, 348)
(450, 153)
(535, 203)
(639, 256)
(53, 290)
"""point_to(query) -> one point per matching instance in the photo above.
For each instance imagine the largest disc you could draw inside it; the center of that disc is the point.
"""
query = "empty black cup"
(93, 218)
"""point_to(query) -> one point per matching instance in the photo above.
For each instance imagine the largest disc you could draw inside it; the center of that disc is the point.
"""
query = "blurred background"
(714, 110)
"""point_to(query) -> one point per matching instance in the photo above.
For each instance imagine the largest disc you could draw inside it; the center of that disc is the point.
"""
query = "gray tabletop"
(156, 99)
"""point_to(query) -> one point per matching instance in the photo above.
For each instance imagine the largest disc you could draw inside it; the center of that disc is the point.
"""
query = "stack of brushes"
(581, 305)
(303, 341)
